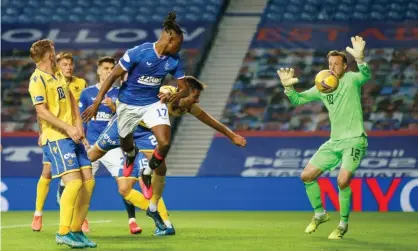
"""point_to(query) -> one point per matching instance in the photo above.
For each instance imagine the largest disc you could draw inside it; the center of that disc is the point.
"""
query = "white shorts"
(129, 116)
(112, 160)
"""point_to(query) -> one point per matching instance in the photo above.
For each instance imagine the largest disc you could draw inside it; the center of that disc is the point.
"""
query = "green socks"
(345, 201)
(314, 194)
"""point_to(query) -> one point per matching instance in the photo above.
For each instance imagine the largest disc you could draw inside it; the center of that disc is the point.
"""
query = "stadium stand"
(390, 99)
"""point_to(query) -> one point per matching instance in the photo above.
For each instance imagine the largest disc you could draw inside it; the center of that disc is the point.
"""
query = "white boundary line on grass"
(55, 224)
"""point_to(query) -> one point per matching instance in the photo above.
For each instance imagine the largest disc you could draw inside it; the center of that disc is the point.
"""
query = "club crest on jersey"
(167, 66)
(148, 80)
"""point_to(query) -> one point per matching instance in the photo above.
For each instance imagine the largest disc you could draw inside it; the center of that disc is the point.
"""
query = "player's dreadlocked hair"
(170, 24)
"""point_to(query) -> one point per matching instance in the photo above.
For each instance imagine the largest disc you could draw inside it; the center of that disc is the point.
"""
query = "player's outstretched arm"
(358, 53)
(91, 111)
(287, 79)
(46, 115)
(218, 126)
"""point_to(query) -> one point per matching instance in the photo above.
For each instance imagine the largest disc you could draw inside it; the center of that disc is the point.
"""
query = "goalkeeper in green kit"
(348, 142)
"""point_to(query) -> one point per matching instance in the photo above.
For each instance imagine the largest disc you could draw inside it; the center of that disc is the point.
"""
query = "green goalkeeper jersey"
(343, 104)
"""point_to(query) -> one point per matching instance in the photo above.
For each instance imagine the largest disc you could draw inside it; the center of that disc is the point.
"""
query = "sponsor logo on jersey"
(148, 80)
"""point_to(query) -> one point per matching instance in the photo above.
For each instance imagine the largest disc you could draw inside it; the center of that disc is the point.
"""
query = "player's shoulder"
(137, 52)
(142, 48)
(79, 81)
(36, 77)
(90, 90)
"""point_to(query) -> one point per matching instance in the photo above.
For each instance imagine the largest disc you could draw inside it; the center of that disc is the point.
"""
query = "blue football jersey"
(146, 71)
(96, 126)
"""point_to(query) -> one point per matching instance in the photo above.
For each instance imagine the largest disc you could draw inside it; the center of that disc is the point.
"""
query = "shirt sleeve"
(37, 90)
(301, 98)
(363, 75)
(178, 73)
(82, 103)
(130, 57)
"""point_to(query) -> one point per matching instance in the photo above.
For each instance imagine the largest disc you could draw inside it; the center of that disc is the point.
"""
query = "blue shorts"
(141, 162)
(65, 156)
(109, 139)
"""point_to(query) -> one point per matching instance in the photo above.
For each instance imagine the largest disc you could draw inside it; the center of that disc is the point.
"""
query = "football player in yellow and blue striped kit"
(65, 61)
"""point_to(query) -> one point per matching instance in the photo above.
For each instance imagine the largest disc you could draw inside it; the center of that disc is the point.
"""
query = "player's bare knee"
(124, 190)
(306, 177)
(343, 182)
(164, 145)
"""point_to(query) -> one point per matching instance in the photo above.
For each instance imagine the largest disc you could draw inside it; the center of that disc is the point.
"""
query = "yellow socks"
(67, 202)
(162, 209)
(158, 184)
(41, 194)
(82, 205)
(137, 199)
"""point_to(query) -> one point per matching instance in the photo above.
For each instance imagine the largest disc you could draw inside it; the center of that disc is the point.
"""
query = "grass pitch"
(221, 231)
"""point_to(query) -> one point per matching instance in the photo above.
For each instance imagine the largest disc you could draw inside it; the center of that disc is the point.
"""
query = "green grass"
(222, 231)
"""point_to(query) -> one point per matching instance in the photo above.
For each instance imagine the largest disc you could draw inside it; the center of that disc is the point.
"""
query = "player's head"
(195, 87)
(337, 62)
(172, 35)
(43, 51)
(105, 66)
(65, 61)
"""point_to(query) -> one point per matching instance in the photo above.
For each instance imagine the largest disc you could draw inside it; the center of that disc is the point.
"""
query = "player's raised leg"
(309, 177)
(42, 190)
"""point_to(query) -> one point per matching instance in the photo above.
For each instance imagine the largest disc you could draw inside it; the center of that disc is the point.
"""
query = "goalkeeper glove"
(287, 79)
(358, 48)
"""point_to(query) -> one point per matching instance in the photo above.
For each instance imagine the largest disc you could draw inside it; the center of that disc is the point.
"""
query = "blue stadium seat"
(359, 16)
(341, 16)
(8, 19)
(294, 9)
(41, 18)
(289, 16)
(345, 8)
(142, 19)
(396, 7)
(11, 11)
(209, 17)
(74, 18)
(307, 16)
(310, 8)
(412, 6)
(91, 18)
(378, 8)
(361, 7)
(315, 2)
(58, 18)
(323, 15)
(274, 16)
(374, 15)
(24, 18)
(192, 17)
(393, 15)
(112, 10)
(411, 15)
(77, 10)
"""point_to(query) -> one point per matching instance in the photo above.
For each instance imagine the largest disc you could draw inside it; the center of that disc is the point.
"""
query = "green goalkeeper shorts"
(350, 151)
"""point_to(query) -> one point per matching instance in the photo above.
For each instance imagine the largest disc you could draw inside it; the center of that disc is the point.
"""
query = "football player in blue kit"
(145, 141)
(139, 101)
